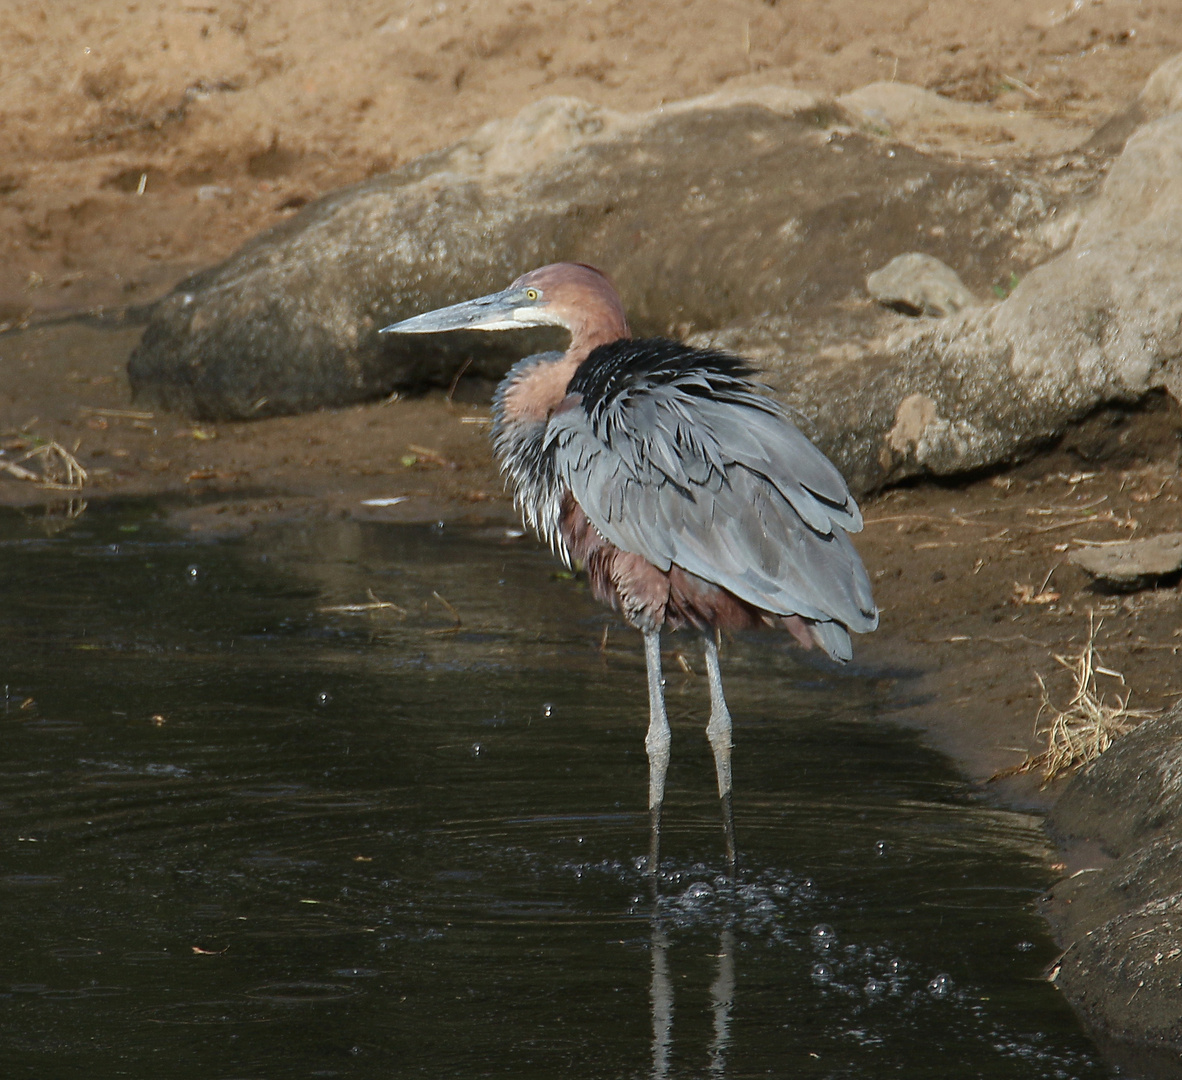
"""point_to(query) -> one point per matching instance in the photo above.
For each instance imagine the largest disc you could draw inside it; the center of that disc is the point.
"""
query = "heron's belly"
(648, 597)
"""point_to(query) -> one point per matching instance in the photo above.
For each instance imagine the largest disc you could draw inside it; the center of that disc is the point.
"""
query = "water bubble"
(880, 847)
(823, 937)
(940, 986)
(822, 973)
(697, 892)
(192, 571)
(547, 709)
(894, 967)
(477, 749)
(323, 698)
(873, 987)
(1024, 946)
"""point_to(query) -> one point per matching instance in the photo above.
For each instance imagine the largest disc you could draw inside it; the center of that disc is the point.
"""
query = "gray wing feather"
(729, 490)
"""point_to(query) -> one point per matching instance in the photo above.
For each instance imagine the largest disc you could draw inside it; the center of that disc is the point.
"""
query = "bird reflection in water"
(722, 999)
(684, 491)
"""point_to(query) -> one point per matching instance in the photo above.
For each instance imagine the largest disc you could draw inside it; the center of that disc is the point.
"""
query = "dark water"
(244, 836)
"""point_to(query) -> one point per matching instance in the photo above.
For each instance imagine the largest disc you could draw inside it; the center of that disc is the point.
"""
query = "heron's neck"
(539, 390)
(605, 325)
(534, 394)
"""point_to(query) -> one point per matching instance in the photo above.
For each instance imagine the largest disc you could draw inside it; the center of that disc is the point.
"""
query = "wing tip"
(834, 638)
(834, 641)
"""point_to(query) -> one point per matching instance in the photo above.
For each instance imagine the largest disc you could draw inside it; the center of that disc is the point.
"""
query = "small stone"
(1133, 562)
(919, 284)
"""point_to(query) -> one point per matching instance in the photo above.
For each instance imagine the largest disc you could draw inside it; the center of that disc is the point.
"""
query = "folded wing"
(702, 471)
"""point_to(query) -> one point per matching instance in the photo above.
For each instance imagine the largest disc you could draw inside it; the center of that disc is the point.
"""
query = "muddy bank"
(1120, 918)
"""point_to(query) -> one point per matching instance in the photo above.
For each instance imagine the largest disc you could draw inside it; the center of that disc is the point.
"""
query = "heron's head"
(571, 295)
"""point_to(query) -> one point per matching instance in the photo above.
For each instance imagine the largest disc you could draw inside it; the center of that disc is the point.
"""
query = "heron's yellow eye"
(532, 294)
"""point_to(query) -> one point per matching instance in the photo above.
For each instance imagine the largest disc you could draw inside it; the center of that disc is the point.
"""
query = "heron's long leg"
(718, 731)
(657, 744)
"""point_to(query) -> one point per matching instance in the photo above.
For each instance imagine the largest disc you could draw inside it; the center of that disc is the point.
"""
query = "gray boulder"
(1099, 323)
(747, 221)
(734, 209)
(1132, 794)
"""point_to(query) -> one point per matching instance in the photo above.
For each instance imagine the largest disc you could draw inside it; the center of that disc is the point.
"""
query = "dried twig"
(454, 614)
(118, 414)
(451, 390)
(48, 465)
(374, 604)
(433, 457)
(1028, 90)
(1028, 594)
(1082, 730)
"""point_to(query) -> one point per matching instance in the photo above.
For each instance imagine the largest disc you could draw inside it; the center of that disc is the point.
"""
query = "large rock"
(721, 211)
(747, 221)
(1121, 924)
(1162, 93)
(1099, 323)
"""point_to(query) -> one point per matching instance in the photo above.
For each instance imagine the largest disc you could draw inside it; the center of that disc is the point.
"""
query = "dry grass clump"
(46, 463)
(1087, 725)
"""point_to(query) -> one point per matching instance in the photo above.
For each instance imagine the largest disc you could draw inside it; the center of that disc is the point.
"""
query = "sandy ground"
(141, 140)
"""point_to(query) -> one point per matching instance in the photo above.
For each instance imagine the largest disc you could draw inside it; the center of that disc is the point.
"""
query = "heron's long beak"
(506, 310)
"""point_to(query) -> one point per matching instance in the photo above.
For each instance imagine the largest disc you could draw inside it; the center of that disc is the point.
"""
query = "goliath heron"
(684, 491)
